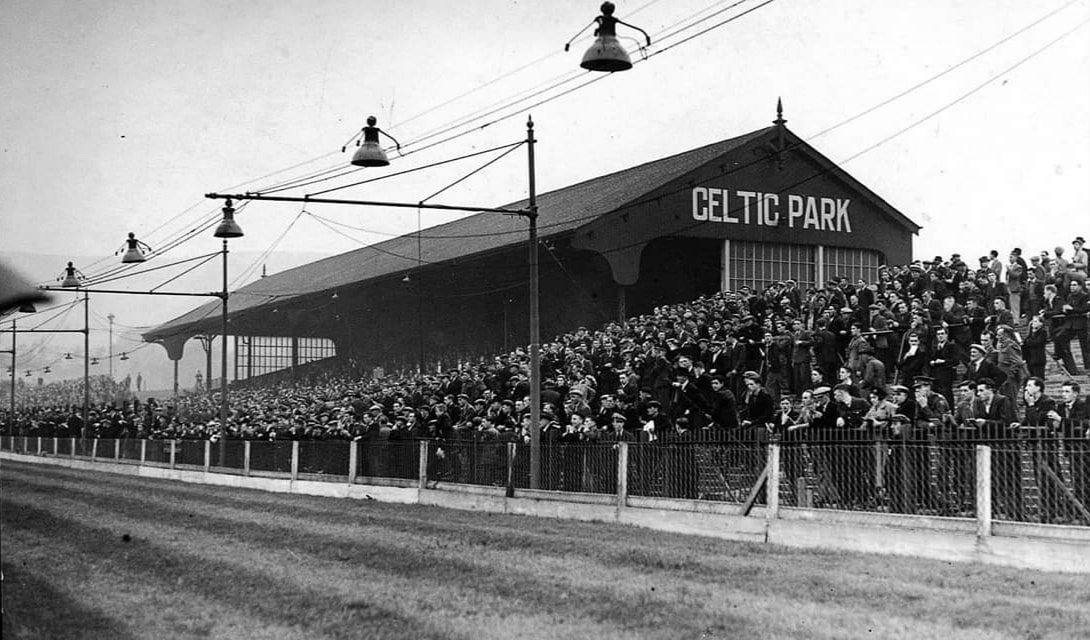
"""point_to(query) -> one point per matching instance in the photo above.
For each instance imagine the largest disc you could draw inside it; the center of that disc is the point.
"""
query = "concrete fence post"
(983, 491)
(143, 452)
(423, 466)
(246, 458)
(622, 475)
(294, 460)
(73, 449)
(117, 449)
(207, 456)
(512, 451)
(772, 485)
(353, 460)
(39, 445)
(94, 449)
(173, 452)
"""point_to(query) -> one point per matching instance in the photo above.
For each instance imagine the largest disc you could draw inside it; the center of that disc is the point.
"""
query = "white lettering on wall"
(763, 209)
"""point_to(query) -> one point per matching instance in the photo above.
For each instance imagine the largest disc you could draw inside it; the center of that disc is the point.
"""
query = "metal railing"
(1040, 476)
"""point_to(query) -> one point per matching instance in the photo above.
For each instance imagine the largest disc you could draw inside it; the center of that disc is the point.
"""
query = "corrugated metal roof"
(559, 211)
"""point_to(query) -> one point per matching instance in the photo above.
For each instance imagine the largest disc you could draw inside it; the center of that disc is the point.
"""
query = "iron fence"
(324, 457)
(388, 459)
(723, 471)
(1042, 479)
(189, 452)
(270, 455)
(157, 451)
(1041, 476)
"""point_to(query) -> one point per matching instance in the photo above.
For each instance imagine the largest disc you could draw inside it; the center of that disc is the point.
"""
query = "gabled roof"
(560, 211)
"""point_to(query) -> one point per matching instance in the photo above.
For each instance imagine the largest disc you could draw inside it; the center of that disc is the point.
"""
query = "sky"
(120, 116)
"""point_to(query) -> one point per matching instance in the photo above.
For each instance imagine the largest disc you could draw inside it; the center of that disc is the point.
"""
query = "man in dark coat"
(980, 368)
(757, 408)
(724, 406)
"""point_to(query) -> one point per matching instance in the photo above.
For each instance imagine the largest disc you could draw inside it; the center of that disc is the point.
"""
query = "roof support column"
(724, 267)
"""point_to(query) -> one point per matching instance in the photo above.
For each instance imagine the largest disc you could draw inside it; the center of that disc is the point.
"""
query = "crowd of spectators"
(935, 342)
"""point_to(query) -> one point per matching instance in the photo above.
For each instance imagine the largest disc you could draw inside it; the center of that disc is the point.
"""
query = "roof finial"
(779, 121)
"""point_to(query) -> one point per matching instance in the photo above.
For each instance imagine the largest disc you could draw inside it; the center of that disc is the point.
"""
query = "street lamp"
(227, 228)
(606, 53)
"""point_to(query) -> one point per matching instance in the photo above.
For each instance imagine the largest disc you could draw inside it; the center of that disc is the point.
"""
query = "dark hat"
(752, 375)
(576, 391)
(821, 391)
(922, 380)
(619, 416)
(719, 378)
(977, 347)
(654, 403)
(684, 373)
(898, 388)
(1078, 239)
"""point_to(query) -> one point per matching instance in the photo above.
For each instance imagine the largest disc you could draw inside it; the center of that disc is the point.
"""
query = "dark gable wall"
(675, 210)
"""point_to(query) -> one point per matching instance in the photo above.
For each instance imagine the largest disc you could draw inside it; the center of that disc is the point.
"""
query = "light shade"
(132, 250)
(28, 308)
(228, 228)
(70, 281)
(606, 54)
(369, 153)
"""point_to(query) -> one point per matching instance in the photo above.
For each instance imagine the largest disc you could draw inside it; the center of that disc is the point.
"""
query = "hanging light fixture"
(134, 250)
(28, 373)
(606, 53)
(71, 277)
(68, 356)
(28, 308)
(228, 228)
(46, 370)
(124, 356)
(370, 153)
(94, 361)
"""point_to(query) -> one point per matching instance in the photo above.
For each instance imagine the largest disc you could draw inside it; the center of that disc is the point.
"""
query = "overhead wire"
(875, 107)
(490, 110)
(242, 276)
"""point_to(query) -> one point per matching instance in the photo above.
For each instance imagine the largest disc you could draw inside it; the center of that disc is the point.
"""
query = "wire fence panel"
(130, 449)
(389, 459)
(270, 455)
(190, 452)
(6, 443)
(64, 446)
(229, 454)
(1043, 480)
(157, 451)
(469, 461)
(83, 447)
(324, 457)
(579, 467)
(724, 472)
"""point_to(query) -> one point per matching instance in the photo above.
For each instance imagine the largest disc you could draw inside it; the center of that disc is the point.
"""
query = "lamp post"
(86, 333)
(227, 228)
(529, 212)
(110, 351)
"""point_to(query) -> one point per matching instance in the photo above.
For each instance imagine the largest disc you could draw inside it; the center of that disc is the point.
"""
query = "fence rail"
(1036, 478)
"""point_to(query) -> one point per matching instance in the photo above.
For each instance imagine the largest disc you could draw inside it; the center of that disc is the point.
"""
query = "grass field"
(95, 555)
